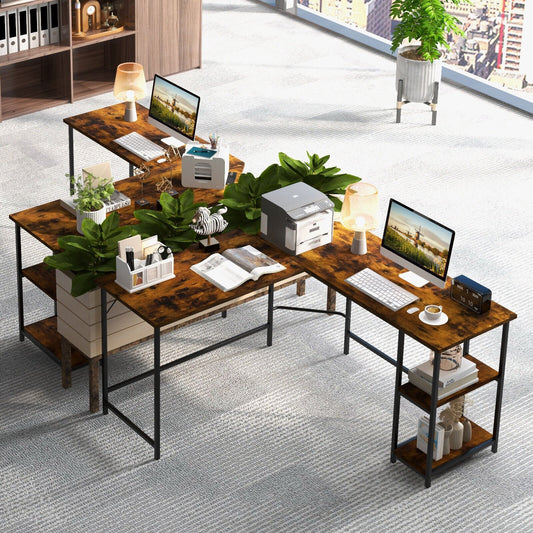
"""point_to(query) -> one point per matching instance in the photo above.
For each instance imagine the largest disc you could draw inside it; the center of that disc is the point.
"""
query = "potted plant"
(418, 66)
(90, 192)
(92, 254)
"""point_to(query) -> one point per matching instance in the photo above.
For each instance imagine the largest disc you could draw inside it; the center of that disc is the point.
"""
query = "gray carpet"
(294, 437)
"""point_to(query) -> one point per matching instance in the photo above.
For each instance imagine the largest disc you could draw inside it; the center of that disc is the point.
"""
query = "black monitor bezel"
(156, 77)
(406, 259)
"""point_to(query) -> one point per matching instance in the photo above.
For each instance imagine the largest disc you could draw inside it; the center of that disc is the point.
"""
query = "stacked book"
(450, 381)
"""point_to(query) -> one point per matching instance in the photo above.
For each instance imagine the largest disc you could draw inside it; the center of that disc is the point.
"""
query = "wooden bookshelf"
(73, 69)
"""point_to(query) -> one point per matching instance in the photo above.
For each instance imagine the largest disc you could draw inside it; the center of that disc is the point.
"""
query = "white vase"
(418, 77)
(456, 438)
(97, 216)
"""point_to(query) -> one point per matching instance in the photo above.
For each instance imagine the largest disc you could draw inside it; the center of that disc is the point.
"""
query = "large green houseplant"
(243, 199)
(427, 22)
(425, 26)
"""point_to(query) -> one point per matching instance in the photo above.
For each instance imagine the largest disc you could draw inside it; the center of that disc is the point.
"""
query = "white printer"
(296, 218)
(204, 168)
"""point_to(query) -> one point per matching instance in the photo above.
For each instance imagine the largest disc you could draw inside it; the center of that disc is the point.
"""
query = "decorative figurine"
(142, 172)
(206, 223)
(171, 154)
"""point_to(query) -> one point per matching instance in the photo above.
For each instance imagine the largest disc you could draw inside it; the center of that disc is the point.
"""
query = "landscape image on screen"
(174, 107)
(418, 239)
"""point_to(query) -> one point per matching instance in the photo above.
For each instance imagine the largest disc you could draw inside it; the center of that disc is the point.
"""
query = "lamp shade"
(360, 209)
(130, 84)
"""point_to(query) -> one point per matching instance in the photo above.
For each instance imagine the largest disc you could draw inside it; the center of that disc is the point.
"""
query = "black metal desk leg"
(20, 296)
(270, 317)
(157, 393)
(432, 418)
(396, 408)
(499, 390)
(105, 375)
(347, 326)
(132, 167)
(71, 155)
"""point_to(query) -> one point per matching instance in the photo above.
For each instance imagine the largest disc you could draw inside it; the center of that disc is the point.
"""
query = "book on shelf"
(115, 201)
(446, 377)
(233, 267)
(422, 438)
(442, 392)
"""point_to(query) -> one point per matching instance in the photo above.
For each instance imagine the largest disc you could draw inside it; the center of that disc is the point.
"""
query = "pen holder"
(143, 275)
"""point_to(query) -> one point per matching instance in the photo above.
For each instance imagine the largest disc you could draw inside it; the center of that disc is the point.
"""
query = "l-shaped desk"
(187, 294)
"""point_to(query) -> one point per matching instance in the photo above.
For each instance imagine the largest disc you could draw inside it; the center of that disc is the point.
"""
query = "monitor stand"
(413, 279)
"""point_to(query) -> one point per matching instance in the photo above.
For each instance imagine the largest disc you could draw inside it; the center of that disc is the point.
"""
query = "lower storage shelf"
(44, 334)
(410, 455)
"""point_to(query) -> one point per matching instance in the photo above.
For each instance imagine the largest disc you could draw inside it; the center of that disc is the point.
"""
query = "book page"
(253, 261)
(221, 272)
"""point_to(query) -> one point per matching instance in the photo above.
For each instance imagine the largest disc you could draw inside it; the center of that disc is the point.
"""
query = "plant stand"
(433, 104)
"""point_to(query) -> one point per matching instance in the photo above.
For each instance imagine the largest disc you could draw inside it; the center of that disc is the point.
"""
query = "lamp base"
(130, 114)
(359, 243)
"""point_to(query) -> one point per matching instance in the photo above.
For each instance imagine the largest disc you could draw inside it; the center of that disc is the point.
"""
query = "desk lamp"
(130, 85)
(359, 212)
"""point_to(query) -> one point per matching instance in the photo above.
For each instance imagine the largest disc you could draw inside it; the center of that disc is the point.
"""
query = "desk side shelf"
(411, 392)
(42, 277)
(411, 456)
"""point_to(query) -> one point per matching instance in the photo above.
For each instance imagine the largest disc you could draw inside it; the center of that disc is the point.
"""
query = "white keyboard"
(381, 289)
(140, 146)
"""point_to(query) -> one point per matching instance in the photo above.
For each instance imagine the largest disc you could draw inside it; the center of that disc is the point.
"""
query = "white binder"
(44, 31)
(3, 34)
(12, 32)
(22, 13)
(33, 25)
(53, 10)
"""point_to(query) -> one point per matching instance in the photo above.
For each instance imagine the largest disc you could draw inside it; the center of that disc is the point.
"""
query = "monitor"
(418, 243)
(173, 109)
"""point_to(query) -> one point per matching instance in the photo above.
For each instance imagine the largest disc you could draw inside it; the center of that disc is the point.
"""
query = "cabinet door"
(168, 35)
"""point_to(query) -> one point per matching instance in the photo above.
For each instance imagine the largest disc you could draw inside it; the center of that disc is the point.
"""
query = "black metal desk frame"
(155, 441)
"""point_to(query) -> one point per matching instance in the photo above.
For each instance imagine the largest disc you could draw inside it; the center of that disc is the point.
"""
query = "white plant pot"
(97, 216)
(418, 77)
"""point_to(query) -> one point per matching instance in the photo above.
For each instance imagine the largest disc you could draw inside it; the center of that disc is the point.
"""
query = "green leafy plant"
(426, 21)
(90, 191)
(315, 174)
(243, 199)
(92, 254)
(171, 224)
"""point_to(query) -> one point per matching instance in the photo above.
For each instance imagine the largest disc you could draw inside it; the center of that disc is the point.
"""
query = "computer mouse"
(412, 310)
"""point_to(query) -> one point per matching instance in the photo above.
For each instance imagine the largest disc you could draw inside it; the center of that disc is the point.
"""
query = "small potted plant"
(428, 24)
(91, 192)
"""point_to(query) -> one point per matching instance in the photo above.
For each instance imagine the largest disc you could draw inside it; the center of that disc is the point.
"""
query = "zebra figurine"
(206, 223)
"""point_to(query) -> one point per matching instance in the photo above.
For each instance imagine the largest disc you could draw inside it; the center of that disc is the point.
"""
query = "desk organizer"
(144, 275)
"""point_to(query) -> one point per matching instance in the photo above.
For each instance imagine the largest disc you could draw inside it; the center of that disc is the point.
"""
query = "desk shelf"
(42, 277)
(410, 455)
(44, 335)
(486, 374)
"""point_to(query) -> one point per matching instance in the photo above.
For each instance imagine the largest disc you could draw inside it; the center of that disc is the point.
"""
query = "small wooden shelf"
(410, 455)
(42, 277)
(420, 398)
(44, 334)
(34, 53)
(80, 43)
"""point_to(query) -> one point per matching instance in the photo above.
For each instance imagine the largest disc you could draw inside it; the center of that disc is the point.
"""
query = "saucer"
(439, 322)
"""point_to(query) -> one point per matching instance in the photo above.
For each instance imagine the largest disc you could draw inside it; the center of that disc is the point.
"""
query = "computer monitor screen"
(417, 243)
(173, 109)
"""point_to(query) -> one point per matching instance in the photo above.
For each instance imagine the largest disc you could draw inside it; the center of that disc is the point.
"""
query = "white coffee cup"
(433, 311)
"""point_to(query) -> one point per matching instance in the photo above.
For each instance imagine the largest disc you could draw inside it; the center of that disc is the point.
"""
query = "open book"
(235, 266)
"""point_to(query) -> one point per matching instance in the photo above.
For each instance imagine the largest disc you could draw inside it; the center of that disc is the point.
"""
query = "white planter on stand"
(97, 216)
(415, 81)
